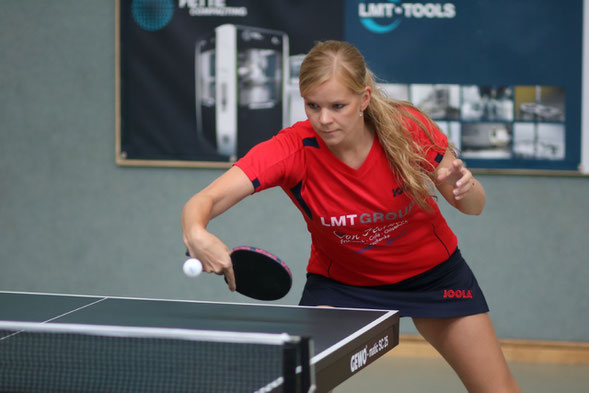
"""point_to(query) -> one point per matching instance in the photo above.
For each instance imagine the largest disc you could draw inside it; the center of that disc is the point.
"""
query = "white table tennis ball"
(192, 267)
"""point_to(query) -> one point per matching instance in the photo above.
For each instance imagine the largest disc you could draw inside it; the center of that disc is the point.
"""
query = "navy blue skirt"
(448, 290)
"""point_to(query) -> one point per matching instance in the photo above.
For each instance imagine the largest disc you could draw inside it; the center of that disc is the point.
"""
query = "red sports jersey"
(364, 229)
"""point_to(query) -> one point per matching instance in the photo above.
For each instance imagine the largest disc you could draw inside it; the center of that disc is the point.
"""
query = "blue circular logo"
(152, 15)
(375, 27)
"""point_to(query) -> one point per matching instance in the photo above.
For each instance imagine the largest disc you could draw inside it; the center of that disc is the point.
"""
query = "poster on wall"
(502, 78)
(202, 81)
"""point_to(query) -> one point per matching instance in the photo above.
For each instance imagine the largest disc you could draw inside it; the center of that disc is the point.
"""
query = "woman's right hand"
(212, 253)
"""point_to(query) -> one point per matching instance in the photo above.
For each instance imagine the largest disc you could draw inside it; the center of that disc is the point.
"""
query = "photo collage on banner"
(494, 122)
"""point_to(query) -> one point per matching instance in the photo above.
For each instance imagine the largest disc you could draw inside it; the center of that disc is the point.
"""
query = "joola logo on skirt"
(458, 293)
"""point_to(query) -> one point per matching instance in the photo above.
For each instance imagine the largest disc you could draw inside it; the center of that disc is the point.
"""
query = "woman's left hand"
(457, 176)
(458, 186)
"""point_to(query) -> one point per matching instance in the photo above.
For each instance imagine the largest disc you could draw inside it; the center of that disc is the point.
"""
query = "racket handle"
(192, 267)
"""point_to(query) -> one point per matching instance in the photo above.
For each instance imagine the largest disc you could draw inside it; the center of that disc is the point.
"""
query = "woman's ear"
(366, 97)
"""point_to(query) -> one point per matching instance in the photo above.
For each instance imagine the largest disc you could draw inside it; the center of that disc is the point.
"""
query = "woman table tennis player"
(362, 170)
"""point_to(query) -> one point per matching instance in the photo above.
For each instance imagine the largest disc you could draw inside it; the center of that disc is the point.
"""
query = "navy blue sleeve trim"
(311, 142)
(296, 192)
(256, 183)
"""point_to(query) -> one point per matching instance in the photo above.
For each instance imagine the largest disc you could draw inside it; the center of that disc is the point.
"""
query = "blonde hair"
(385, 115)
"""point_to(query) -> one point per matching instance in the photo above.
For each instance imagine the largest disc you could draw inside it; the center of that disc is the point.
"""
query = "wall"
(71, 221)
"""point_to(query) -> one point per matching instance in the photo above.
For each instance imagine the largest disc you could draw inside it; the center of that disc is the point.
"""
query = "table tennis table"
(332, 344)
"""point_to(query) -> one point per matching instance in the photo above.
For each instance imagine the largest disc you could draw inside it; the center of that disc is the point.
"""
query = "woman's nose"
(325, 117)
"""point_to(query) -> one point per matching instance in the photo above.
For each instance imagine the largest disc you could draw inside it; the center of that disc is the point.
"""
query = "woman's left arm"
(458, 186)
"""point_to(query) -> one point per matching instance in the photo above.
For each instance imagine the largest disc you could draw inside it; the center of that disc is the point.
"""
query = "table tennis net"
(84, 358)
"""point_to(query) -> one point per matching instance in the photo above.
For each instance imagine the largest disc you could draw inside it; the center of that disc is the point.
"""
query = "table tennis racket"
(259, 274)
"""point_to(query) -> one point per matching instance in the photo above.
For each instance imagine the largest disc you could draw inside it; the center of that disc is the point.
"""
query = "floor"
(413, 375)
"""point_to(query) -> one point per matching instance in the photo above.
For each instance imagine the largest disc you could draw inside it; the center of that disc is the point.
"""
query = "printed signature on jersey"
(372, 236)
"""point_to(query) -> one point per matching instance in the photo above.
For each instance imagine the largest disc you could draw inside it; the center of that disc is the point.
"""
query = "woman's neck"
(354, 152)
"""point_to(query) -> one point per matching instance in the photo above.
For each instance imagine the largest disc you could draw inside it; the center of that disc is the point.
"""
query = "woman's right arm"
(227, 190)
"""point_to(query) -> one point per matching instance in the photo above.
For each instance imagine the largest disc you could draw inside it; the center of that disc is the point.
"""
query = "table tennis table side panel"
(27, 307)
(357, 354)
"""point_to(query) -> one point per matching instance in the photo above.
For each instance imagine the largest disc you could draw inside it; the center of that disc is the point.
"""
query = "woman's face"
(335, 112)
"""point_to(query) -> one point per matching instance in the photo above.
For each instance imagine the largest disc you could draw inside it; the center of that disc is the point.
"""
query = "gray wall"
(71, 221)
